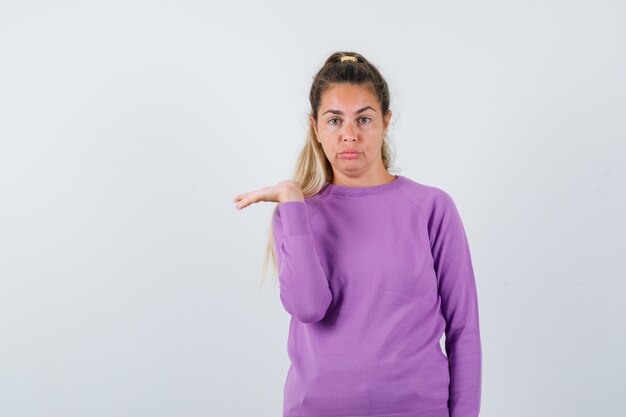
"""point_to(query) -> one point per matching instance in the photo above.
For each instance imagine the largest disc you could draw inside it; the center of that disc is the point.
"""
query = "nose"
(349, 132)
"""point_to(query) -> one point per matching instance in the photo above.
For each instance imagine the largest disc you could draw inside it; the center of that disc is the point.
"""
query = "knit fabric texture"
(373, 277)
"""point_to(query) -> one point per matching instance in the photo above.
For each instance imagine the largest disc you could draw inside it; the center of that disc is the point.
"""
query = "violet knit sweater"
(372, 278)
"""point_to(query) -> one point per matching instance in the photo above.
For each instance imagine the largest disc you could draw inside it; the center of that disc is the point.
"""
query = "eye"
(331, 120)
(366, 118)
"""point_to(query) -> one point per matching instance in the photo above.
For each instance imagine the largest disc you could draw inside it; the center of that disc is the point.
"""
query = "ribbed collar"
(350, 191)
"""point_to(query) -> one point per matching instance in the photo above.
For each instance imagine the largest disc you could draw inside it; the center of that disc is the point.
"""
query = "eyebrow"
(340, 112)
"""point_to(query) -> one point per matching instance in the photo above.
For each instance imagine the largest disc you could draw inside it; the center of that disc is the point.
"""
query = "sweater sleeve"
(459, 303)
(304, 289)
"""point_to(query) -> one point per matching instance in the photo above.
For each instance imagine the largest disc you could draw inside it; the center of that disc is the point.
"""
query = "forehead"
(348, 97)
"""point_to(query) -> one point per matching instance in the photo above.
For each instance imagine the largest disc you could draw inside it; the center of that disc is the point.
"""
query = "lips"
(349, 155)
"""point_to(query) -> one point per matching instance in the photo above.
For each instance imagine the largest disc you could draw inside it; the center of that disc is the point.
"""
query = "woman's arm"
(304, 288)
(459, 304)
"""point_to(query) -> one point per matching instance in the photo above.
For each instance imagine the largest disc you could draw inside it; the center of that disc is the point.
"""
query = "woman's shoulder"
(424, 195)
(427, 198)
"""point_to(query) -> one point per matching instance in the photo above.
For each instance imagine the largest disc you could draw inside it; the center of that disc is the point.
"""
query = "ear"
(312, 122)
(387, 119)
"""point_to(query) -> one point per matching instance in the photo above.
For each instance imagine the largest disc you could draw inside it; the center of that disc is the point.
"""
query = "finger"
(239, 197)
(246, 201)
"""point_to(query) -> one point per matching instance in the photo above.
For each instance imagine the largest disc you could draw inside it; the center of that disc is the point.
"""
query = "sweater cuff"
(294, 217)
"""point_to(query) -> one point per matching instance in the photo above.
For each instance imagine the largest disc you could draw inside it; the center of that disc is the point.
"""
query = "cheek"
(328, 129)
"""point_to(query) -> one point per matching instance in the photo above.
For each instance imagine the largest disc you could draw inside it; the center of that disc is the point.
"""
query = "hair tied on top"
(348, 58)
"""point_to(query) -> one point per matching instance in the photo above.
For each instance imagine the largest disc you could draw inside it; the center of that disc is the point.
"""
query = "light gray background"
(128, 281)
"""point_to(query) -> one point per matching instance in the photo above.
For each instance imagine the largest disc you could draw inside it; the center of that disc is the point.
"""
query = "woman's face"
(349, 120)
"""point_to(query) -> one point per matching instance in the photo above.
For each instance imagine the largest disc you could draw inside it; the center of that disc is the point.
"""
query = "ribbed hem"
(440, 412)
(294, 217)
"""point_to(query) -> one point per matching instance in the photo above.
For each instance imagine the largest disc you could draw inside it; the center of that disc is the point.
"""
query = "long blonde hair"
(312, 168)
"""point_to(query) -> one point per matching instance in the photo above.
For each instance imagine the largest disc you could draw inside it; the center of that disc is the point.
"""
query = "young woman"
(373, 268)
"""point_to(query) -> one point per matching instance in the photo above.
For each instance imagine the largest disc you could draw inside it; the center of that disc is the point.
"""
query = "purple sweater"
(372, 277)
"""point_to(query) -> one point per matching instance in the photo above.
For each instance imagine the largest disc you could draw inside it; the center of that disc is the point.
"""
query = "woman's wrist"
(294, 195)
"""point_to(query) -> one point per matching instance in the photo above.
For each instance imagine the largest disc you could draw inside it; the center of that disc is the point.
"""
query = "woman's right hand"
(287, 190)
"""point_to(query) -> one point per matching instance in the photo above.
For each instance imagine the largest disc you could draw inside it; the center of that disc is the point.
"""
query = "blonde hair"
(312, 168)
